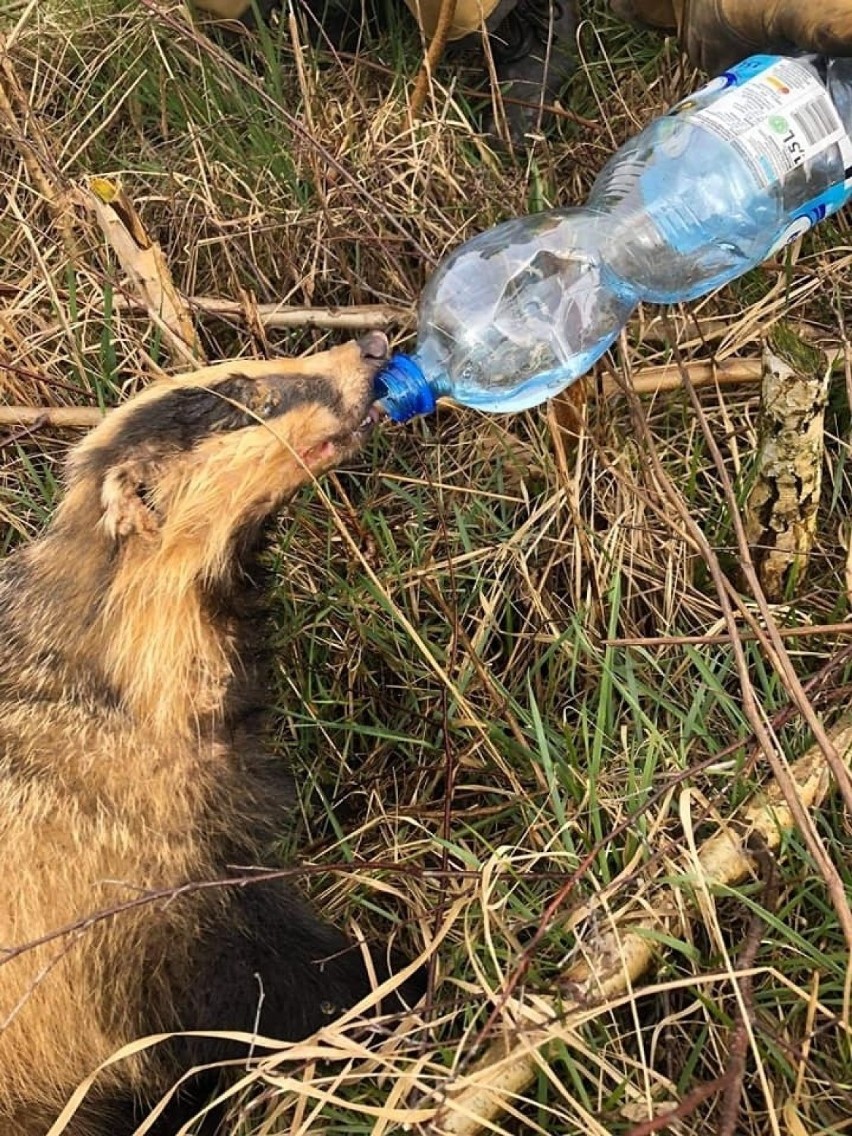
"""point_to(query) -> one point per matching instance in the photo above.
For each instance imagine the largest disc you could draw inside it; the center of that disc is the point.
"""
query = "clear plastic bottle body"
(520, 311)
(695, 200)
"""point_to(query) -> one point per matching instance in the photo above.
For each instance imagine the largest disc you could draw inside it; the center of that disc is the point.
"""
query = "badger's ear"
(127, 499)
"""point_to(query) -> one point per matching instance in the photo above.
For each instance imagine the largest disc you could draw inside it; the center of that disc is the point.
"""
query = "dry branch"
(362, 317)
(622, 955)
(655, 380)
(61, 417)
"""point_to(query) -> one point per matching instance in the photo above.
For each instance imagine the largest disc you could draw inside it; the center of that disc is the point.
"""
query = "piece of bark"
(780, 512)
(142, 259)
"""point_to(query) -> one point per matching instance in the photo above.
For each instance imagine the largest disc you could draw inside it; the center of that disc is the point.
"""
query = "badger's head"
(191, 464)
(140, 576)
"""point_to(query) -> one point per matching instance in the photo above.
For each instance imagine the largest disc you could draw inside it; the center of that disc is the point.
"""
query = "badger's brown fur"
(132, 755)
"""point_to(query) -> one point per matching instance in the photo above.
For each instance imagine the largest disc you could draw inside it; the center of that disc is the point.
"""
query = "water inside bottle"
(520, 313)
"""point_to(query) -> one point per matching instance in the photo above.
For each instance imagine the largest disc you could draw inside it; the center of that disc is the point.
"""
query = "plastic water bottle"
(701, 196)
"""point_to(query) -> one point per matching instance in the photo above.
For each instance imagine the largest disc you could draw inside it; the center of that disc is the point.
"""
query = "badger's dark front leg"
(263, 964)
(273, 967)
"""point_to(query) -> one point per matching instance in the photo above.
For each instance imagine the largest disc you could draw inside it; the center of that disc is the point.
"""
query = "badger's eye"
(268, 406)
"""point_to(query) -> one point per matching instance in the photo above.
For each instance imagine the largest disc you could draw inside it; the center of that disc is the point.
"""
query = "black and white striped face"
(191, 458)
(303, 399)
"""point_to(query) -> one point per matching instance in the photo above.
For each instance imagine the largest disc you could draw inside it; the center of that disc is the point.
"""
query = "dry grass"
(445, 609)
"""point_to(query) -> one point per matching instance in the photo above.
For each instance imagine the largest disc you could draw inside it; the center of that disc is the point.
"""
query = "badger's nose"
(374, 346)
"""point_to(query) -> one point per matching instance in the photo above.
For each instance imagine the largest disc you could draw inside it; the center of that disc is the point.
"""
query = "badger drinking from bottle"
(132, 756)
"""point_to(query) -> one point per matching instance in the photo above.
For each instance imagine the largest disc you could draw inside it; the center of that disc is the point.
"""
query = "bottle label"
(778, 116)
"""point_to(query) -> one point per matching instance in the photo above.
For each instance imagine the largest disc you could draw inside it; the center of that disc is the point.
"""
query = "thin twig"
(21, 432)
(745, 636)
(433, 55)
(61, 417)
(246, 878)
(693, 1099)
(735, 1072)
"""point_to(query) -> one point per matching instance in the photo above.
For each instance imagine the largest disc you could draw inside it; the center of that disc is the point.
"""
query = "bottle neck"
(403, 389)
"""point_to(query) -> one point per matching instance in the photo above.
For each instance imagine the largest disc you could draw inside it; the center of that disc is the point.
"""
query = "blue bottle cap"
(402, 388)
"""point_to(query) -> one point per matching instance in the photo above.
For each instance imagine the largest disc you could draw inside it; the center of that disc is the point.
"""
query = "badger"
(134, 756)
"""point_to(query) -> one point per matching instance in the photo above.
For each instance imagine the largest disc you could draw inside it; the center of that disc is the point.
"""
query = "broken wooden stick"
(656, 380)
(355, 317)
(142, 259)
(60, 417)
